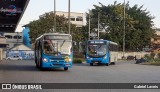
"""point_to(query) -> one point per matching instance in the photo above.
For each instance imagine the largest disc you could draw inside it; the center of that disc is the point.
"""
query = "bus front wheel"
(65, 68)
(91, 64)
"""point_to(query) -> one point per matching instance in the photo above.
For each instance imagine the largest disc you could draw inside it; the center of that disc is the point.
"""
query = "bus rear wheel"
(37, 65)
(65, 68)
(107, 64)
(113, 63)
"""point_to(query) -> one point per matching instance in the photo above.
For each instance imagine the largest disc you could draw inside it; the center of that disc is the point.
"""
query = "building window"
(17, 37)
(72, 18)
(79, 18)
(8, 36)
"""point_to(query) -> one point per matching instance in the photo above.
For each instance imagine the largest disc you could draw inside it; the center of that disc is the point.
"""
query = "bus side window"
(109, 48)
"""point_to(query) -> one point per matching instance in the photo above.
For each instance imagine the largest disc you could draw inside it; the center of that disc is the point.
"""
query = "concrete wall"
(137, 54)
(2, 54)
(3, 40)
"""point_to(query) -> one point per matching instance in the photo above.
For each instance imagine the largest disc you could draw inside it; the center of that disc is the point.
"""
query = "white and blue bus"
(54, 50)
(101, 51)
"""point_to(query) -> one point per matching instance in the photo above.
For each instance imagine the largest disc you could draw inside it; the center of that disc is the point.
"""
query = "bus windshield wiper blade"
(62, 43)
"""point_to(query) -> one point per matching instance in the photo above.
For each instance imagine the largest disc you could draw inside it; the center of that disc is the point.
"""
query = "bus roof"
(55, 34)
(51, 34)
(113, 43)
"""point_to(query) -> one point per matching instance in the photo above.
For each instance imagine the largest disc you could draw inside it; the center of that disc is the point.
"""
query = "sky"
(38, 7)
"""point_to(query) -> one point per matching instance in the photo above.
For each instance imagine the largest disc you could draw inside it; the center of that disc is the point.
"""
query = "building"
(76, 18)
(3, 47)
(13, 39)
(16, 46)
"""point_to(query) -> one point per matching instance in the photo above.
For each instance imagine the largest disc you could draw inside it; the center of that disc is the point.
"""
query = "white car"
(14, 58)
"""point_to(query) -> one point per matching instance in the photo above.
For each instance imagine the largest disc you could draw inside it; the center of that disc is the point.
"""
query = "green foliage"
(152, 55)
(149, 58)
(154, 63)
(78, 60)
(158, 55)
(45, 24)
(138, 26)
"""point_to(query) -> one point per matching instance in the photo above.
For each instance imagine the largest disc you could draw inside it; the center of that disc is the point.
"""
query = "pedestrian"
(135, 57)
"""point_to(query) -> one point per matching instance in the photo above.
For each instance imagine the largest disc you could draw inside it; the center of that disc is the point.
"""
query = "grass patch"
(157, 63)
(78, 60)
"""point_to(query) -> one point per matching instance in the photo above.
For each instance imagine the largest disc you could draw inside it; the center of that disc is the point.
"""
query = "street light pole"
(69, 19)
(124, 30)
(98, 24)
(54, 16)
(89, 25)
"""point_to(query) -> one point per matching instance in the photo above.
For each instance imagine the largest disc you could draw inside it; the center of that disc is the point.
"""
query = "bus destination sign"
(96, 42)
(57, 37)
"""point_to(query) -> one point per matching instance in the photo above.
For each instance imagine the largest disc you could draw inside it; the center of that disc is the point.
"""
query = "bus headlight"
(45, 60)
(88, 58)
(68, 59)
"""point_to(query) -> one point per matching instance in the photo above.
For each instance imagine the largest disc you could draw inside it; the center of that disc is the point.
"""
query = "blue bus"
(54, 50)
(101, 51)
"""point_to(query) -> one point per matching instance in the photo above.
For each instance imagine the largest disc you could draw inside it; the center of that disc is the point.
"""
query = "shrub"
(78, 55)
(158, 55)
(78, 60)
(155, 63)
(149, 58)
(152, 55)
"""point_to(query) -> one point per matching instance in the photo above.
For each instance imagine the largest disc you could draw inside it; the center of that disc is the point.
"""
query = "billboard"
(11, 12)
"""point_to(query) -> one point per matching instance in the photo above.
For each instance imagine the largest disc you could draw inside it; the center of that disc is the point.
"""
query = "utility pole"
(69, 19)
(124, 29)
(54, 16)
(98, 24)
(89, 25)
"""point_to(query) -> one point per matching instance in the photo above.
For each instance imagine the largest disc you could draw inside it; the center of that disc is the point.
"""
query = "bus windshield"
(97, 50)
(57, 47)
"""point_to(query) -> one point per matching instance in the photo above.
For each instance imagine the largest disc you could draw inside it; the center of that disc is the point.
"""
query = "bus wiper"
(62, 43)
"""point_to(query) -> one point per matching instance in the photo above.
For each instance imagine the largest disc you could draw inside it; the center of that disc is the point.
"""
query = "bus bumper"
(56, 65)
(97, 60)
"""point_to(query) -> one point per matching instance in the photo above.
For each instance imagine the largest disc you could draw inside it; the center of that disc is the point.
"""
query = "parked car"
(142, 60)
(14, 58)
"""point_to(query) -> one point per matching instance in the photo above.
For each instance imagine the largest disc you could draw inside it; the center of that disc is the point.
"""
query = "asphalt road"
(122, 72)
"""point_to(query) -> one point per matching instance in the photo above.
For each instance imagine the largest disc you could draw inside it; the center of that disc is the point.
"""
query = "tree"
(138, 24)
(45, 24)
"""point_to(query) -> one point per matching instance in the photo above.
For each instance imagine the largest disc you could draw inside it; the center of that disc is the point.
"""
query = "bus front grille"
(57, 58)
(57, 61)
(57, 64)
